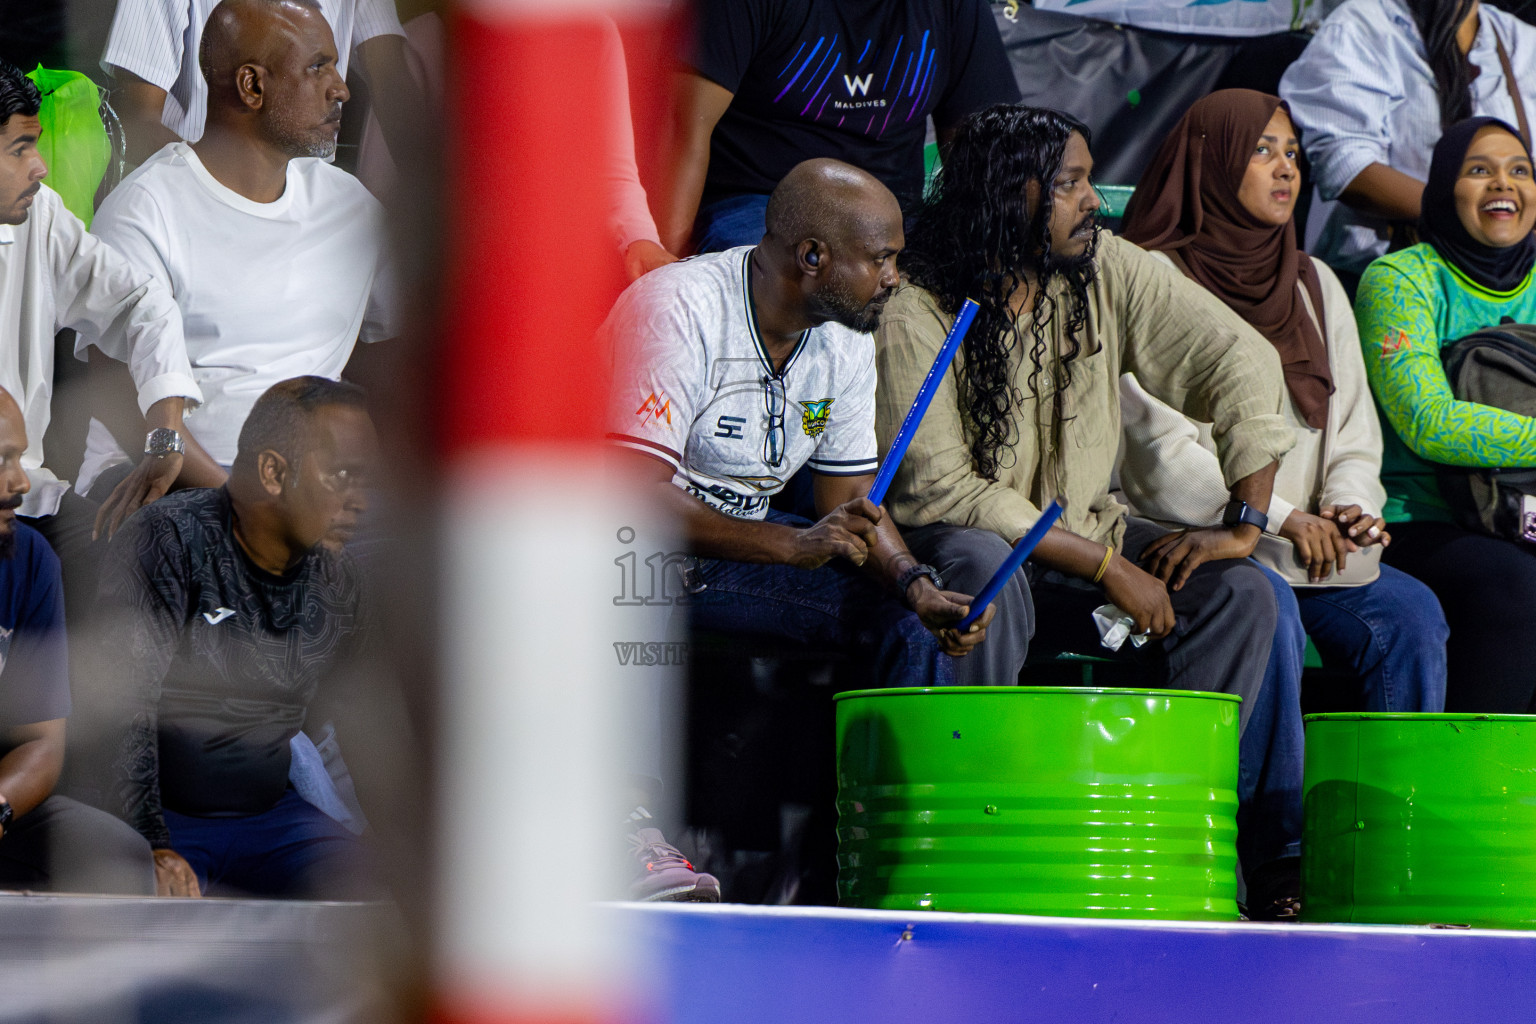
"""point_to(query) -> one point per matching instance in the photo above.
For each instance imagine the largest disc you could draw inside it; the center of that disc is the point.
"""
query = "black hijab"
(1500, 270)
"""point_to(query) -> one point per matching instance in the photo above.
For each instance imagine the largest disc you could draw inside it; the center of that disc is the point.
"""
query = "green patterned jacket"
(1410, 304)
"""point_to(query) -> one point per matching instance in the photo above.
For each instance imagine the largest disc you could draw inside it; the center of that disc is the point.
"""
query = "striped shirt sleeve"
(1345, 100)
(372, 18)
(146, 39)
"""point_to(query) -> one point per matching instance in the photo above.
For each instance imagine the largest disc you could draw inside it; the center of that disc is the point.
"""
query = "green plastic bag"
(74, 143)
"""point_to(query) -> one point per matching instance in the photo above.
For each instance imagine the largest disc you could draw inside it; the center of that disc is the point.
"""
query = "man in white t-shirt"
(276, 260)
(152, 53)
(54, 274)
(737, 368)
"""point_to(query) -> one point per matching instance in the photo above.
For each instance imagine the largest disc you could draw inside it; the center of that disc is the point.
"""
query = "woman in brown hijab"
(1217, 203)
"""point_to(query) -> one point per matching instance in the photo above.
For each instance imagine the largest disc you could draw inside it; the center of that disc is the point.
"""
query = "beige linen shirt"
(1185, 347)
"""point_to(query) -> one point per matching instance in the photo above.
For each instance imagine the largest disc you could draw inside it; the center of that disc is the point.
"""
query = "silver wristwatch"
(163, 441)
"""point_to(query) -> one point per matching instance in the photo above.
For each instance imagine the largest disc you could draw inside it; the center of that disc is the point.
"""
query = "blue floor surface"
(761, 965)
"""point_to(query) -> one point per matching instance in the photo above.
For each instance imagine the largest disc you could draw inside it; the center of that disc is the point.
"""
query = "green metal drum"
(1038, 800)
(1420, 819)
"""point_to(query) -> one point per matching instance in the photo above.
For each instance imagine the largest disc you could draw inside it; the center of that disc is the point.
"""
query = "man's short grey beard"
(321, 150)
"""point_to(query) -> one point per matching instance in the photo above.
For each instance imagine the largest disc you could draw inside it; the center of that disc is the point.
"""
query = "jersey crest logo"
(218, 615)
(1391, 346)
(656, 408)
(814, 418)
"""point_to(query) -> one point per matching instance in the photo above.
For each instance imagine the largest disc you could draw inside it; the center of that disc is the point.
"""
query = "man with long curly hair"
(1031, 414)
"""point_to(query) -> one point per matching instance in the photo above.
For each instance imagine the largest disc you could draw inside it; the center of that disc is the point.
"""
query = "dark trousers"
(1225, 624)
(837, 607)
(293, 850)
(1487, 588)
(64, 846)
(1225, 615)
(730, 222)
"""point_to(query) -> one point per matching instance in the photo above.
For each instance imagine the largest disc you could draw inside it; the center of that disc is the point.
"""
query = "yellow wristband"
(1109, 553)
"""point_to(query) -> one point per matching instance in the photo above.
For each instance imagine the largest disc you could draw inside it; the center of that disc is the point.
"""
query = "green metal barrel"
(1420, 819)
(1038, 800)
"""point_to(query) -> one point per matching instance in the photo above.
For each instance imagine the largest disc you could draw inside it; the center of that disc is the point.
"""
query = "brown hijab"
(1186, 205)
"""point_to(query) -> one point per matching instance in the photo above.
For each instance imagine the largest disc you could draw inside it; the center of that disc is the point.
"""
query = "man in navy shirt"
(46, 841)
(770, 83)
(228, 618)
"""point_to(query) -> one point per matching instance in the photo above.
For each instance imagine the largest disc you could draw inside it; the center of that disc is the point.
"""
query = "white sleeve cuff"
(1349, 499)
(1279, 511)
(169, 385)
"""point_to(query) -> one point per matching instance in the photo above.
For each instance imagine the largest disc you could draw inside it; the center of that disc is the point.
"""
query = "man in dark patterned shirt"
(225, 615)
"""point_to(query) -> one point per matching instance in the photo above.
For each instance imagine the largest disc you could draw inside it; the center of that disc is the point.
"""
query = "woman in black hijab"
(1472, 269)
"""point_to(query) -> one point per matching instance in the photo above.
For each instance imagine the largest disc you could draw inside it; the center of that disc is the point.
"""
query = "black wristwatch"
(6, 814)
(913, 572)
(1240, 513)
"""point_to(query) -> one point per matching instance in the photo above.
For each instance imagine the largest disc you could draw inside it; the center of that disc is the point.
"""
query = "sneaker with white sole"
(663, 874)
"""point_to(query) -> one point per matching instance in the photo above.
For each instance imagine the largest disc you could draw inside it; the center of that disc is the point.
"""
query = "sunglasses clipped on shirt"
(774, 402)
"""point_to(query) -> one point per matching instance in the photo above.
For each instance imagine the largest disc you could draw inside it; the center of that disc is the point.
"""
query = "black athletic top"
(851, 79)
(217, 660)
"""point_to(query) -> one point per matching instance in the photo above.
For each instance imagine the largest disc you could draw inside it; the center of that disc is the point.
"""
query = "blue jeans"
(292, 850)
(727, 223)
(1390, 634)
(837, 608)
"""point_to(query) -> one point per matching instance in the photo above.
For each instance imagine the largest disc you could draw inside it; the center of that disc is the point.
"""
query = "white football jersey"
(693, 386)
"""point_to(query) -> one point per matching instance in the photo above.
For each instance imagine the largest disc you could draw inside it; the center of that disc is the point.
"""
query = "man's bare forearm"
(699, 107)
(397, 101)
(714, 534)
(1256, 488)
(1385, 192)
(141, 104)
(31, 769)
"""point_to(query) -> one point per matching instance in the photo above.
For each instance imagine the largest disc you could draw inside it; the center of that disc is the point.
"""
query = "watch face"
(162, 441)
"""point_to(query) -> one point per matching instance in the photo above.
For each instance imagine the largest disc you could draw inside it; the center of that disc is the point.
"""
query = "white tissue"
(1115, 626)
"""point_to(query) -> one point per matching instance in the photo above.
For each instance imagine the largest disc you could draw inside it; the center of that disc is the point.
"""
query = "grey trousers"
(63, 845)
(1225, 615)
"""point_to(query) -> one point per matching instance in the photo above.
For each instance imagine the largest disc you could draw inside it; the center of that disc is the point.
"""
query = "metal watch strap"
(163, 441)
(912, 572)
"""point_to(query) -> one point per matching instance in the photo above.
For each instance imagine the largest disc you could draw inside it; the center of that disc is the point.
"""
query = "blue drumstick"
(1016, 557)
(920, 404)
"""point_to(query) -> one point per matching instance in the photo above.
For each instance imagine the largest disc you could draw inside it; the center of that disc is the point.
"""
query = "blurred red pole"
(527, 832)
(532, 270)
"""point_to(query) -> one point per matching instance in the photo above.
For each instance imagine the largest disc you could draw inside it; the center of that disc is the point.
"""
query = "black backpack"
(1495, 366)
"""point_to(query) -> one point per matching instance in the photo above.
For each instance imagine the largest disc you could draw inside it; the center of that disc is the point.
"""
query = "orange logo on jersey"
(656, 408)
(1390, 346)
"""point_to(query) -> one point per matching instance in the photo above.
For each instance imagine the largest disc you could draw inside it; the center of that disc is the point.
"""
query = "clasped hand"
(1167, 563)
(1325, 541)
(848, 531)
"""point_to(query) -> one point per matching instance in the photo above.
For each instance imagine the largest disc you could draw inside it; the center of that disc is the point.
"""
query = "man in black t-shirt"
(769, 83)
(225, 616)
